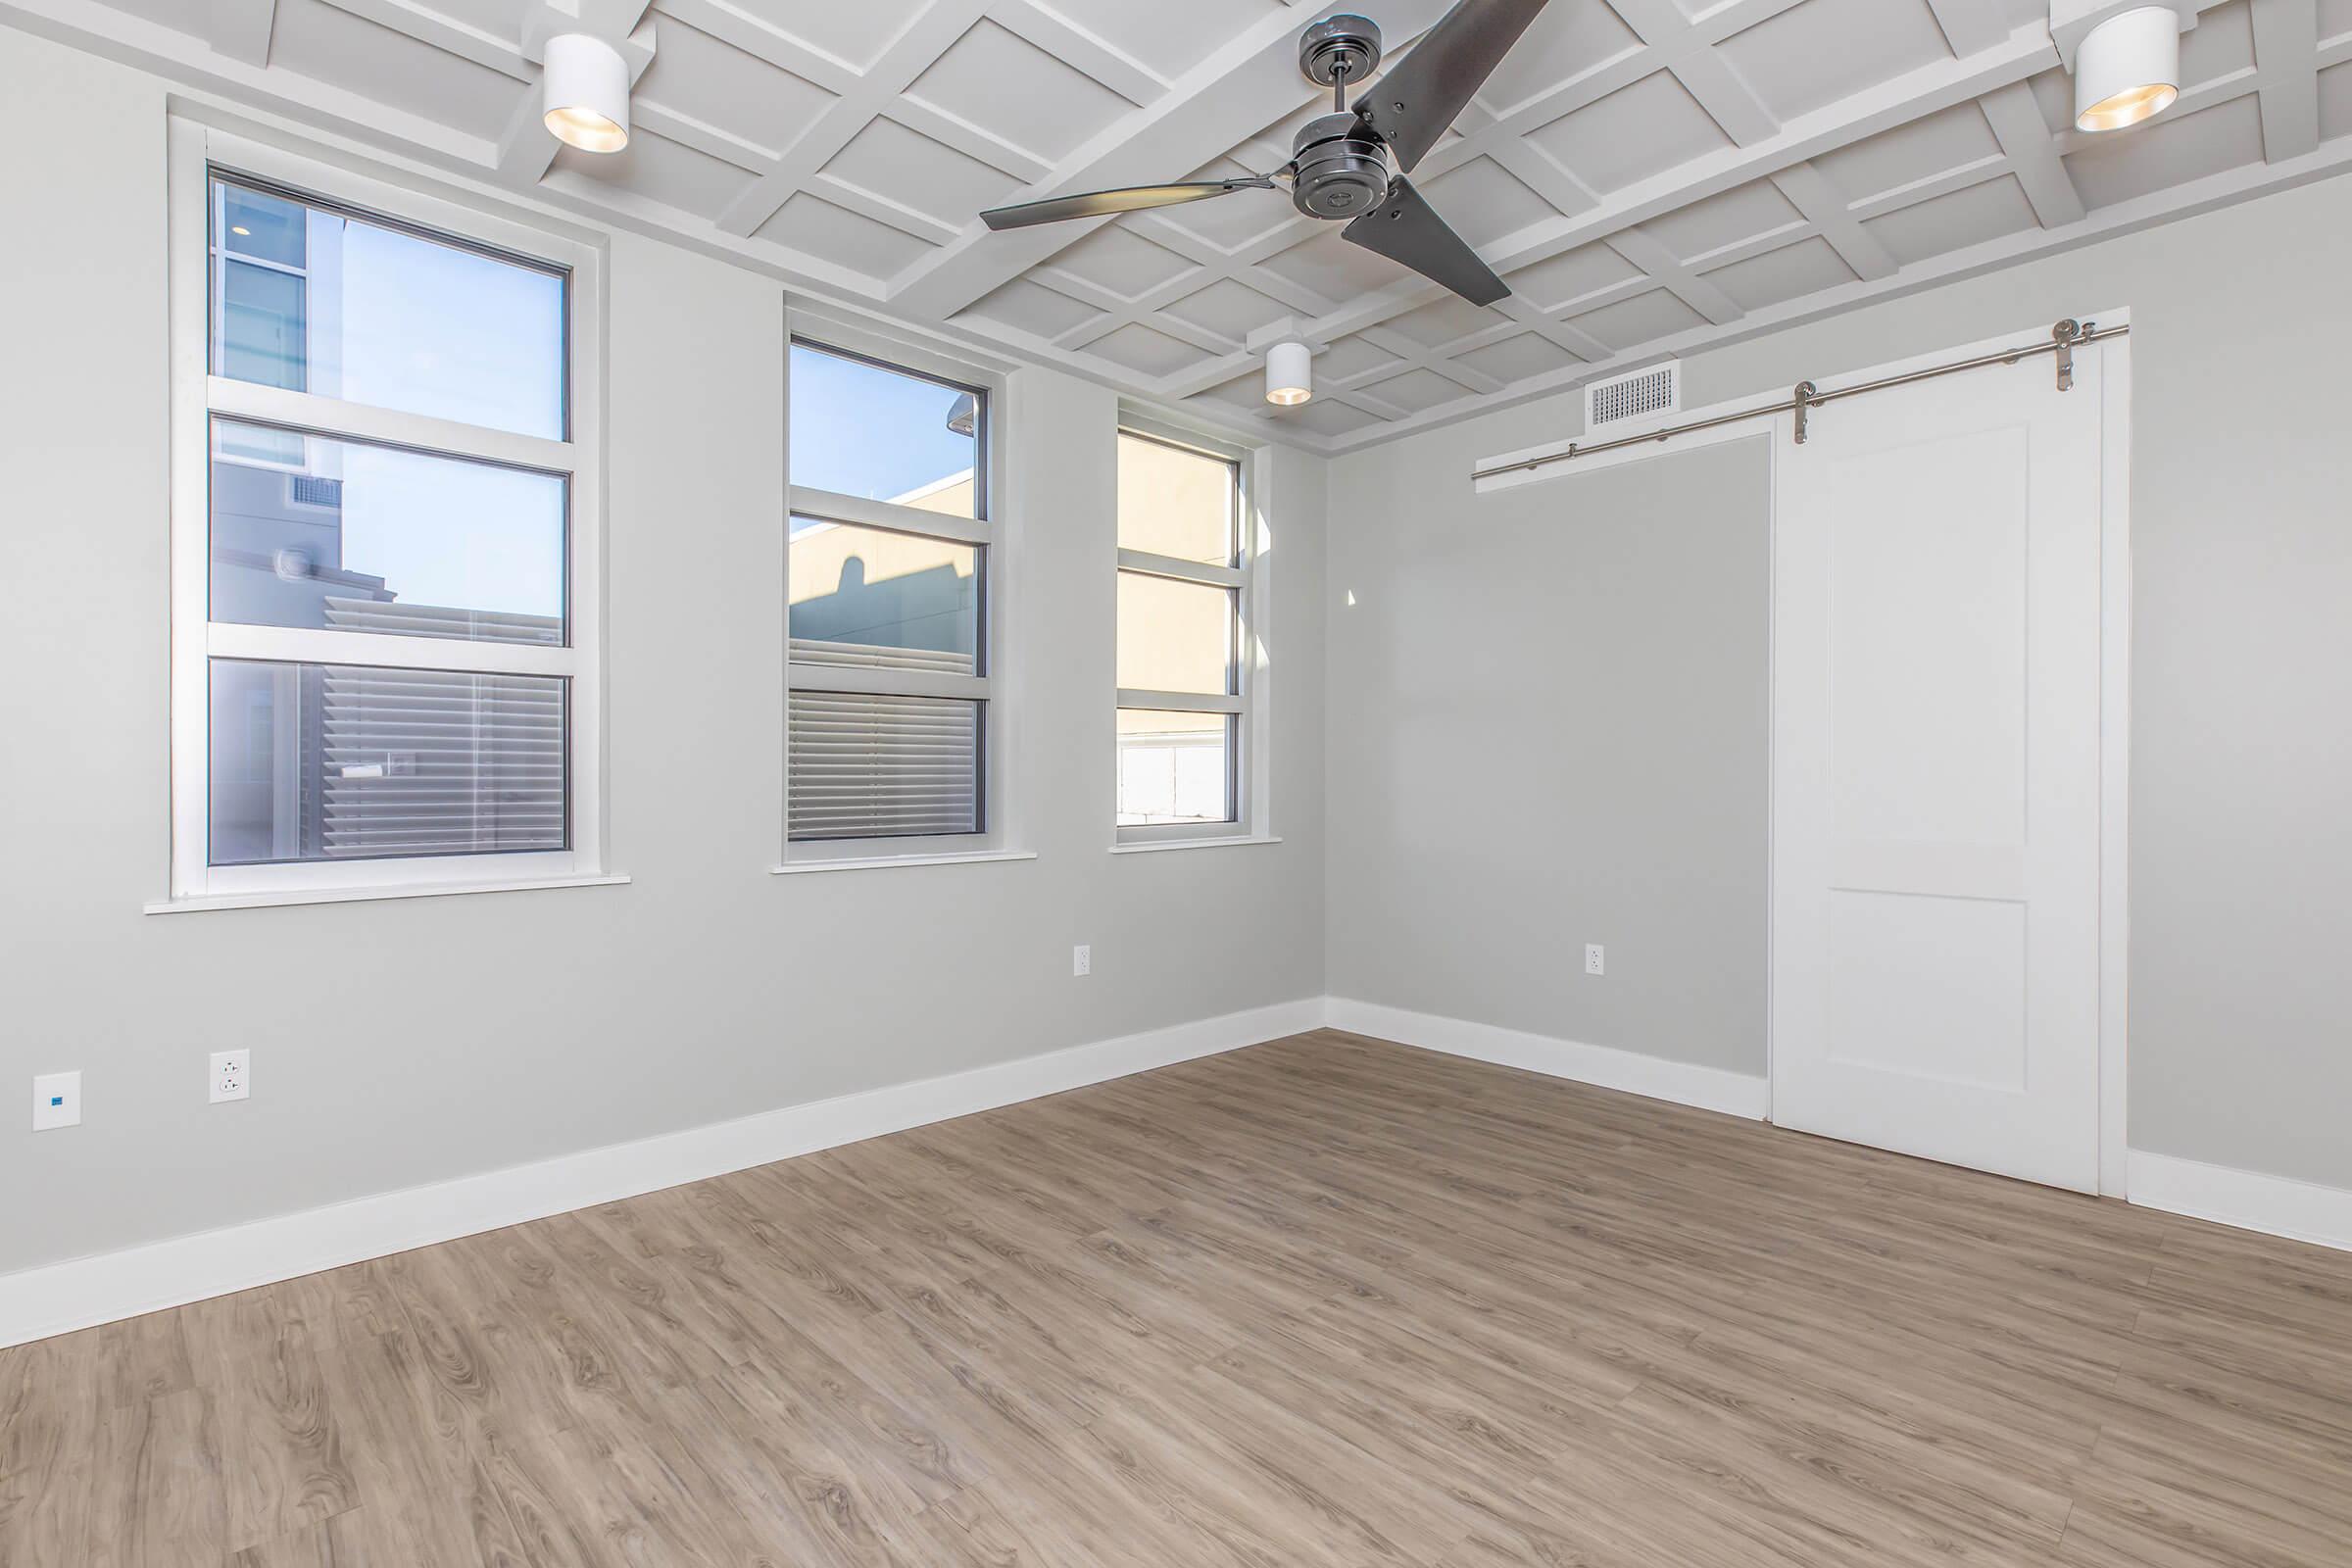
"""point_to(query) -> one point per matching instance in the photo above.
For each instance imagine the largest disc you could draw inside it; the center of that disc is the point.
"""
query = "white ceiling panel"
(1643, 318)
(1954, 221)
(1778, 276)
(387, 65)
(1572, 276)
(1354, 358)
(1032, 309)
(1120, 262)
(1447, 320)
(1745, 212)
(919, 173)
(1633, 133)
(817, 227)
(1911, 154)
(1518, 359)
(1415, 391)
(851, 31)
(2335, 100)
(1810, 56)
(1006, 85)
(1154, 37)
(1330, 267)
(729, 89)
(1484, 201)
(1569, 38)
(1229, 308)
(1640, 171)
(1140, 349)
(659, 170)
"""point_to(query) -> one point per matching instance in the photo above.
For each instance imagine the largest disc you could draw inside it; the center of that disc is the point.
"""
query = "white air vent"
(1644, 394)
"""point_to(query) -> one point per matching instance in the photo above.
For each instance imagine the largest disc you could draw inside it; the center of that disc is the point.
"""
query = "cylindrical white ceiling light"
(587, 93)
(2127, 69)
(1290, 374)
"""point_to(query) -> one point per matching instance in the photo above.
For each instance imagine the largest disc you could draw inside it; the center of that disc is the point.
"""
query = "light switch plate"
(56, 1101)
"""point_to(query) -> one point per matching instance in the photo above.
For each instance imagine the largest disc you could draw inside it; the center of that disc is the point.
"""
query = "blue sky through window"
(859, 429)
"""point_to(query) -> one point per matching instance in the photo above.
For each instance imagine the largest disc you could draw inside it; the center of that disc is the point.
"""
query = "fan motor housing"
(1343, 170)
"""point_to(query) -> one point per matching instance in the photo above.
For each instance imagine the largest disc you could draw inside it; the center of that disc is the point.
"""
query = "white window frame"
(197, 397)
(1249, 776)
(996, 837)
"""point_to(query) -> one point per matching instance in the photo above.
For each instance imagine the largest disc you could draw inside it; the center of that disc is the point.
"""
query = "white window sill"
(422, 890)
(876, 863)
(1225, 841)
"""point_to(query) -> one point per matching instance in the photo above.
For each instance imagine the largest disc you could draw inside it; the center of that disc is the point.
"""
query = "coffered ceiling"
(1650, 175)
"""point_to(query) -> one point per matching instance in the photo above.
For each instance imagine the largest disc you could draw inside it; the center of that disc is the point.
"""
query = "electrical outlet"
(1593, 957)
(56, 1101)
(1082, 959)
(232, 1075)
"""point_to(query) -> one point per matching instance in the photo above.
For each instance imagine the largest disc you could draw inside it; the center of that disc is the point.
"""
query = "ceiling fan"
(1340, 163)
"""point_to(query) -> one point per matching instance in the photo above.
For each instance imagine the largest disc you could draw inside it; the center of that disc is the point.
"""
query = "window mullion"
(324, 415)
(1201, 572)
(1180, 701)
(830, 506)
(301, 644)
(885, 683)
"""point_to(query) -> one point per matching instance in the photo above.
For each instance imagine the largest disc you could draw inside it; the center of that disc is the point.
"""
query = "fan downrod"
(1345, 44)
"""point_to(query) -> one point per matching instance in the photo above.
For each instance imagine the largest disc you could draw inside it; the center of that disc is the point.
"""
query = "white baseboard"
(2280, 1206)
(58, 1298)
(1707, 1088)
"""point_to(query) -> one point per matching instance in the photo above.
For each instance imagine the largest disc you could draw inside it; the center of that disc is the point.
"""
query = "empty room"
(1098, 784)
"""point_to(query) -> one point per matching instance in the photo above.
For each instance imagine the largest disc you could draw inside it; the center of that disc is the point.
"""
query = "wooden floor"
(1321, 1302)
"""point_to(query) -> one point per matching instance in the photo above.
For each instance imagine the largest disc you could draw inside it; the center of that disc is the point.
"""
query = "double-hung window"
(384, 596)
(1184, 563)
(888, 565)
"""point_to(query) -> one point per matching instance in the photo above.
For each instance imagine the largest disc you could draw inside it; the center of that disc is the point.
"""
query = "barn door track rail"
(2065, 337)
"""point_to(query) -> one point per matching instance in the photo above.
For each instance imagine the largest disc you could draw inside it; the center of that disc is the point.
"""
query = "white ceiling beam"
(1672, 273)
(1970, 25)
(1560, 334)
(2286, 53)
(2033, 152)
(688, 132)
(240, 28)
(1810, 192)
(1686, 47)
(1976, 171)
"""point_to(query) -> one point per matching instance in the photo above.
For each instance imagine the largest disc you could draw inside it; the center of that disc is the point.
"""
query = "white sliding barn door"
(1936, 837)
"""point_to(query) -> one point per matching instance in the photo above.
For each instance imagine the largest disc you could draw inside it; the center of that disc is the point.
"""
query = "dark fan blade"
(1405, 228)
(1098, 203)
(1411, 106)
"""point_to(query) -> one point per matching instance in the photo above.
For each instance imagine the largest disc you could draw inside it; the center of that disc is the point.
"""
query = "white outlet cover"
(56, 1101)
(1082, 961)
(232, 1075)
(1594, 959)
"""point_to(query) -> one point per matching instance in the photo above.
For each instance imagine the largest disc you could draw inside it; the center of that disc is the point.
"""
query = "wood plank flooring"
(1323, 1301)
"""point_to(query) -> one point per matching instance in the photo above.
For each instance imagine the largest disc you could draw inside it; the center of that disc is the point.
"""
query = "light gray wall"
(1553, 732)
(404, 1042)
(2242, 842)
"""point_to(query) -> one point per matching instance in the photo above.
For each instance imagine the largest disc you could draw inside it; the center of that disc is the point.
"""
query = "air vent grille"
(311, 490)
(1642, 395)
